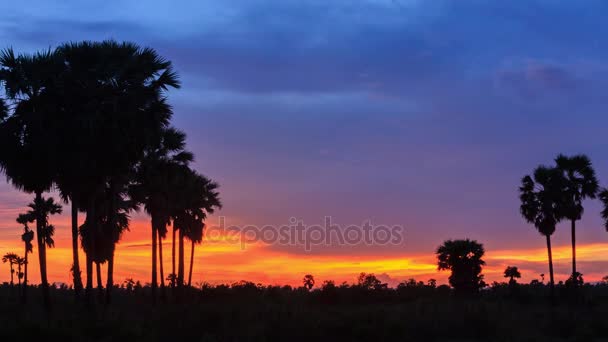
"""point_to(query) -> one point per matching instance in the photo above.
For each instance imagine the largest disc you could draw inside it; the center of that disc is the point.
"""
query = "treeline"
(91, 120)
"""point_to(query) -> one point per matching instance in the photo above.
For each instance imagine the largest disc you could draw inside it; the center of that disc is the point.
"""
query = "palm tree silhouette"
(208, 201)
(120, 88)
(11, 258)
(156, 177)
(29, 135)
(542, 201)
(512, 272)
(580, 183)
(198, 197)
(19, 262)
(26, 237)
(463, 258)
(603, 196)
(308, 281)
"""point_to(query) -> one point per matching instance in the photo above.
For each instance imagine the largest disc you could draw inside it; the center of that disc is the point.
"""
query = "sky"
(419, 114)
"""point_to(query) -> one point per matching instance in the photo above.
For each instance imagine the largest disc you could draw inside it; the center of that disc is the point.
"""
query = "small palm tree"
(580, 183)
(463, 258)
(26, 237)
(308, 281)
(541, 204)
(11, 258)
(20, 263)
(512, 272)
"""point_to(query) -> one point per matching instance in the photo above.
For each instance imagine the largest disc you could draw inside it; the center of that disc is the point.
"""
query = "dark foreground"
(247, 312)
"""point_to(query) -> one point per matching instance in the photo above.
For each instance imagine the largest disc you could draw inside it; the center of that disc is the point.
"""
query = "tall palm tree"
(580, 183)
(11, 258)
(208, 201)
(542, 200)
(464, 259)
(29, 134)
(157, 175)
(26, 237)
(121, 102)
(198, 196)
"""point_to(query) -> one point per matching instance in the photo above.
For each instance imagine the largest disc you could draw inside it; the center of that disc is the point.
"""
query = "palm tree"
(208, 201)
(308, 281)
(120, 90)
(580, 183)
(603, 196)
(26, 237)
(198, 197)
(512, 272)
(20, 262)
(463, 258)
(156, 178)
(29, 134)
(11, 258)
(541, 204)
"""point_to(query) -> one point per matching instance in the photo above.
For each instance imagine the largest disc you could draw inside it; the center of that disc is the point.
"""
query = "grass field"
(249, 312)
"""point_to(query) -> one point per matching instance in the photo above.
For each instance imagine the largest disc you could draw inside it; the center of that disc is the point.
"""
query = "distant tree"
(580, 183)
(512, 272)
(129, 284)
(330, 285)
(26, 237)
(541, 204)
(463, 258)
(11, 258)
(605, 280)
(370, 282)
(19, 262)
(431, 283)
(575, 280)
(308, 281)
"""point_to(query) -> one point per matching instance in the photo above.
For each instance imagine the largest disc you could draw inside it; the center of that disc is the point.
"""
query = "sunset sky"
(424, 114)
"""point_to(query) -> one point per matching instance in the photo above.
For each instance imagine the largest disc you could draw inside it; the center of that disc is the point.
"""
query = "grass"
(249, 312)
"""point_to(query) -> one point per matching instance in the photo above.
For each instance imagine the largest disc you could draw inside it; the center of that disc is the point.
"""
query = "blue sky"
(420, 113)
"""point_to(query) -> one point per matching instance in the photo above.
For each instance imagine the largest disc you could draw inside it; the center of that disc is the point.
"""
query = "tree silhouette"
(308, 281)
(11, 258)
(20, 262)
(580, 183)
(541, 204)
(29, 134)
(369, 281)
(512, 272)
(156, 178)
(463, 258)
(26, 237)
(198, 197)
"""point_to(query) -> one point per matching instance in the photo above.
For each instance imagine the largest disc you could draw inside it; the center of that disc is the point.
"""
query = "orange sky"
(222, 262)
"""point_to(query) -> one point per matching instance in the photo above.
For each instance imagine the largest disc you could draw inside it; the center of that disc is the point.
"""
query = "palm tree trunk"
(19, 277)
(75, 262)
(551, 280)
(42, 254)
(12, 273)
(110, 280)
(191, 263)
(573, 249)
(88, 292)
(99, 282)
(24, 292)
(180, 265)
(160, 263)
(154, 280)
(173, 257)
